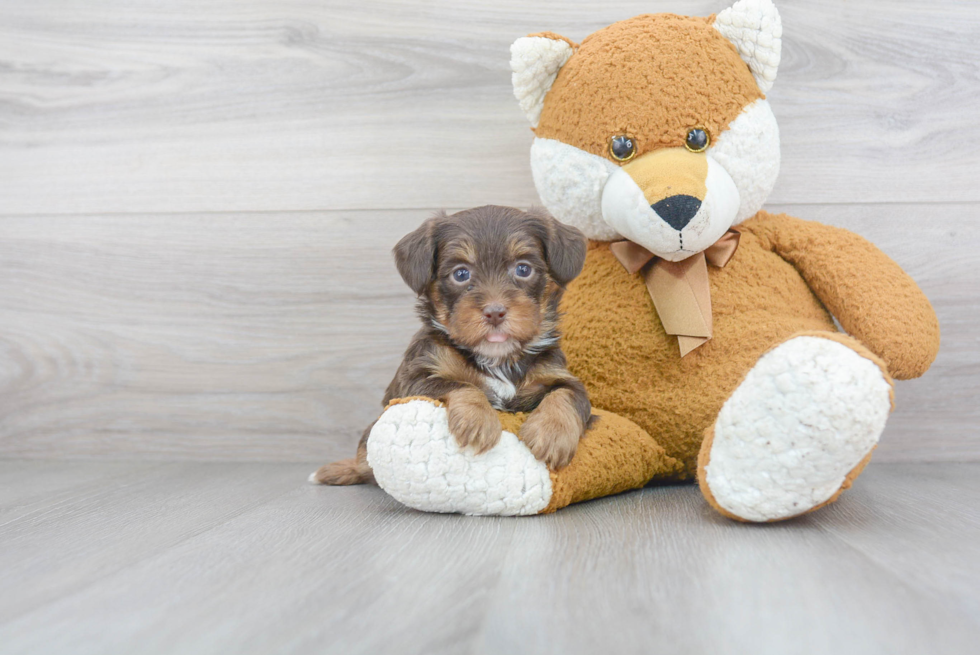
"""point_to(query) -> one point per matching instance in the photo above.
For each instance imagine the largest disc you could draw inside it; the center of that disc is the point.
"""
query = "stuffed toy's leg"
(797, 431)
(417, 461)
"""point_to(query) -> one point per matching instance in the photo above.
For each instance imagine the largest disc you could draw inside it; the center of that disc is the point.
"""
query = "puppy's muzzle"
(494, 314)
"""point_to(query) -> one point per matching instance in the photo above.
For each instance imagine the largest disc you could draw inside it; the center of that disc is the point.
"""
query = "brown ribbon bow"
(679, 290)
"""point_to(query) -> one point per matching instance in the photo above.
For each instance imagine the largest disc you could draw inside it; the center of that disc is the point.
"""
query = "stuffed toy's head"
(655, 129)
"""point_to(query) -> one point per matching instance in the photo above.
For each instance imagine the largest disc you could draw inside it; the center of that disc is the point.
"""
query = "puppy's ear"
(564, 247)
(415, 254)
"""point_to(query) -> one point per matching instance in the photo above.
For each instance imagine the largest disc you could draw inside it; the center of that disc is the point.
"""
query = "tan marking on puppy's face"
(468, 326)
(460, 250)
(494, 288)
(627, 79)
(439, 306)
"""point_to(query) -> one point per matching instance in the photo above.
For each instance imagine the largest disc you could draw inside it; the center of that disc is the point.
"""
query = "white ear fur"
(536, 61)
(756, 30)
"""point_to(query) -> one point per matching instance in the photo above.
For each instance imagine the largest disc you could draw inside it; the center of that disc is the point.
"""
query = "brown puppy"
(489, 282)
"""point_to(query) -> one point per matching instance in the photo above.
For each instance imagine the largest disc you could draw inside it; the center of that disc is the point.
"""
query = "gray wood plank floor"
(121, 557)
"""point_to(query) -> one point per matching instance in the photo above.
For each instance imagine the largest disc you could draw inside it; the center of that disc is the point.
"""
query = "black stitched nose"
(494, 314)
(677, 211)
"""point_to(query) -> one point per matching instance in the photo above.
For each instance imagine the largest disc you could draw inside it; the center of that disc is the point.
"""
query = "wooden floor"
(126, 557)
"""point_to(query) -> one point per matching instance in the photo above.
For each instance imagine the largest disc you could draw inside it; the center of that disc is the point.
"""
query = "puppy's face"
(491, 288)
(491, 277)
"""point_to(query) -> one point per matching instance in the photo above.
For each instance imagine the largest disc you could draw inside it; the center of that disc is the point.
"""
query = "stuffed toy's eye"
(622, 148)
(697, 140)
(523, 270)
(461, 274)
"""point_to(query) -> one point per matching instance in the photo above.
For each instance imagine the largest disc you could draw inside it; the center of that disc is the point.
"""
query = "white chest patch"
(502, 388)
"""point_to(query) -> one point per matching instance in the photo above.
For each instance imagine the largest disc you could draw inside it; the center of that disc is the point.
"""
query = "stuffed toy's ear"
(536, 60)
(564, 246)
(415, 254)
(756, 30)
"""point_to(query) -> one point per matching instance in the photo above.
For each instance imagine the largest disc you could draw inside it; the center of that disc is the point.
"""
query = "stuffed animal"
(702, 326)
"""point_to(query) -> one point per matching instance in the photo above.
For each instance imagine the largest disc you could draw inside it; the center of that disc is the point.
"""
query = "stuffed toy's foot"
(797, 431)
(418, 462)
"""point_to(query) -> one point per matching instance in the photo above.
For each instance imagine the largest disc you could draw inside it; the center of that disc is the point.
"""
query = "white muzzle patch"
(593, 194)
(627, 211)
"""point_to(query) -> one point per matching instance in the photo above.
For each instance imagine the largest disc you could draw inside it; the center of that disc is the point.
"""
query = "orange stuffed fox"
(702, 326)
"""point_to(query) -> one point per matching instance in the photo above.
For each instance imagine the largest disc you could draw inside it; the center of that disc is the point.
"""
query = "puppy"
(489, 281)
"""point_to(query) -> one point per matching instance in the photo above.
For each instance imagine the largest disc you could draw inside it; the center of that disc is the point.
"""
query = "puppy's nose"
(494, 314)
(677, 211)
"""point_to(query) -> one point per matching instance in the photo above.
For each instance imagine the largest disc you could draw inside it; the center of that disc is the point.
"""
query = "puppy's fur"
(489, 282)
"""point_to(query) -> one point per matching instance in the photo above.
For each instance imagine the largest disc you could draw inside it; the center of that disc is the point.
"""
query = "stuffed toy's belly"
(617, 346)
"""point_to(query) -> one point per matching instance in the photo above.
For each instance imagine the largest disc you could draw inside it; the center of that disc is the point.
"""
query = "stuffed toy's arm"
(872, 297)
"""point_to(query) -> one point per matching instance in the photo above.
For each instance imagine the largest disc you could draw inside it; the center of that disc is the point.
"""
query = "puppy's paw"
(553, 430)
(472, 421)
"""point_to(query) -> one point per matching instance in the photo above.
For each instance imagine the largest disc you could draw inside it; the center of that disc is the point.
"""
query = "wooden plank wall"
(197, 200)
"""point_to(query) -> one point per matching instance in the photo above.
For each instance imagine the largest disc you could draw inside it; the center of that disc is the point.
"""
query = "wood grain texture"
(244, 336)
(107, 524)
(271, 105)
(663, 572)
(247, 558)
(272, 336)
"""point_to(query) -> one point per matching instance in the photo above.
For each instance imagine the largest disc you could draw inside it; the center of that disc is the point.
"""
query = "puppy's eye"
(461, 274)
(622, 148)
(523, 270)
(697, 140)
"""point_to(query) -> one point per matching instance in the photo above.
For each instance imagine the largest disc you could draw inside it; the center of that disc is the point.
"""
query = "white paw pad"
(805, 415)
(418, 462)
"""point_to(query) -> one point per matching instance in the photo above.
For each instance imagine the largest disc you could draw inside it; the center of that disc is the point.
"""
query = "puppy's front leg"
(471, 419)
(553, 429)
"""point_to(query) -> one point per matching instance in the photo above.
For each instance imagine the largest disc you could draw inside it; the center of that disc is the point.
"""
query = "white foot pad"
(418, 462)
(803, 418)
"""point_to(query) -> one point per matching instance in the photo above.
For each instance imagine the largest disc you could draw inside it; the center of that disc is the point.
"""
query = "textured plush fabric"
(616, 455)
(754, 26)
(847, 484)
(803, 418)
(535, 61)
(417, 461)
(704, 455)
(872, 297)
(653, 77)
(616, 344)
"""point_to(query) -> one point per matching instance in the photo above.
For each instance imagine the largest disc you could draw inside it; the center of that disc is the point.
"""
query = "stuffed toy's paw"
(418, 461)
(797, 431)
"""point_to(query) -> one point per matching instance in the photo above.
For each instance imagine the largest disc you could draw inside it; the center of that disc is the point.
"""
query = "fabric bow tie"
(679, 290)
